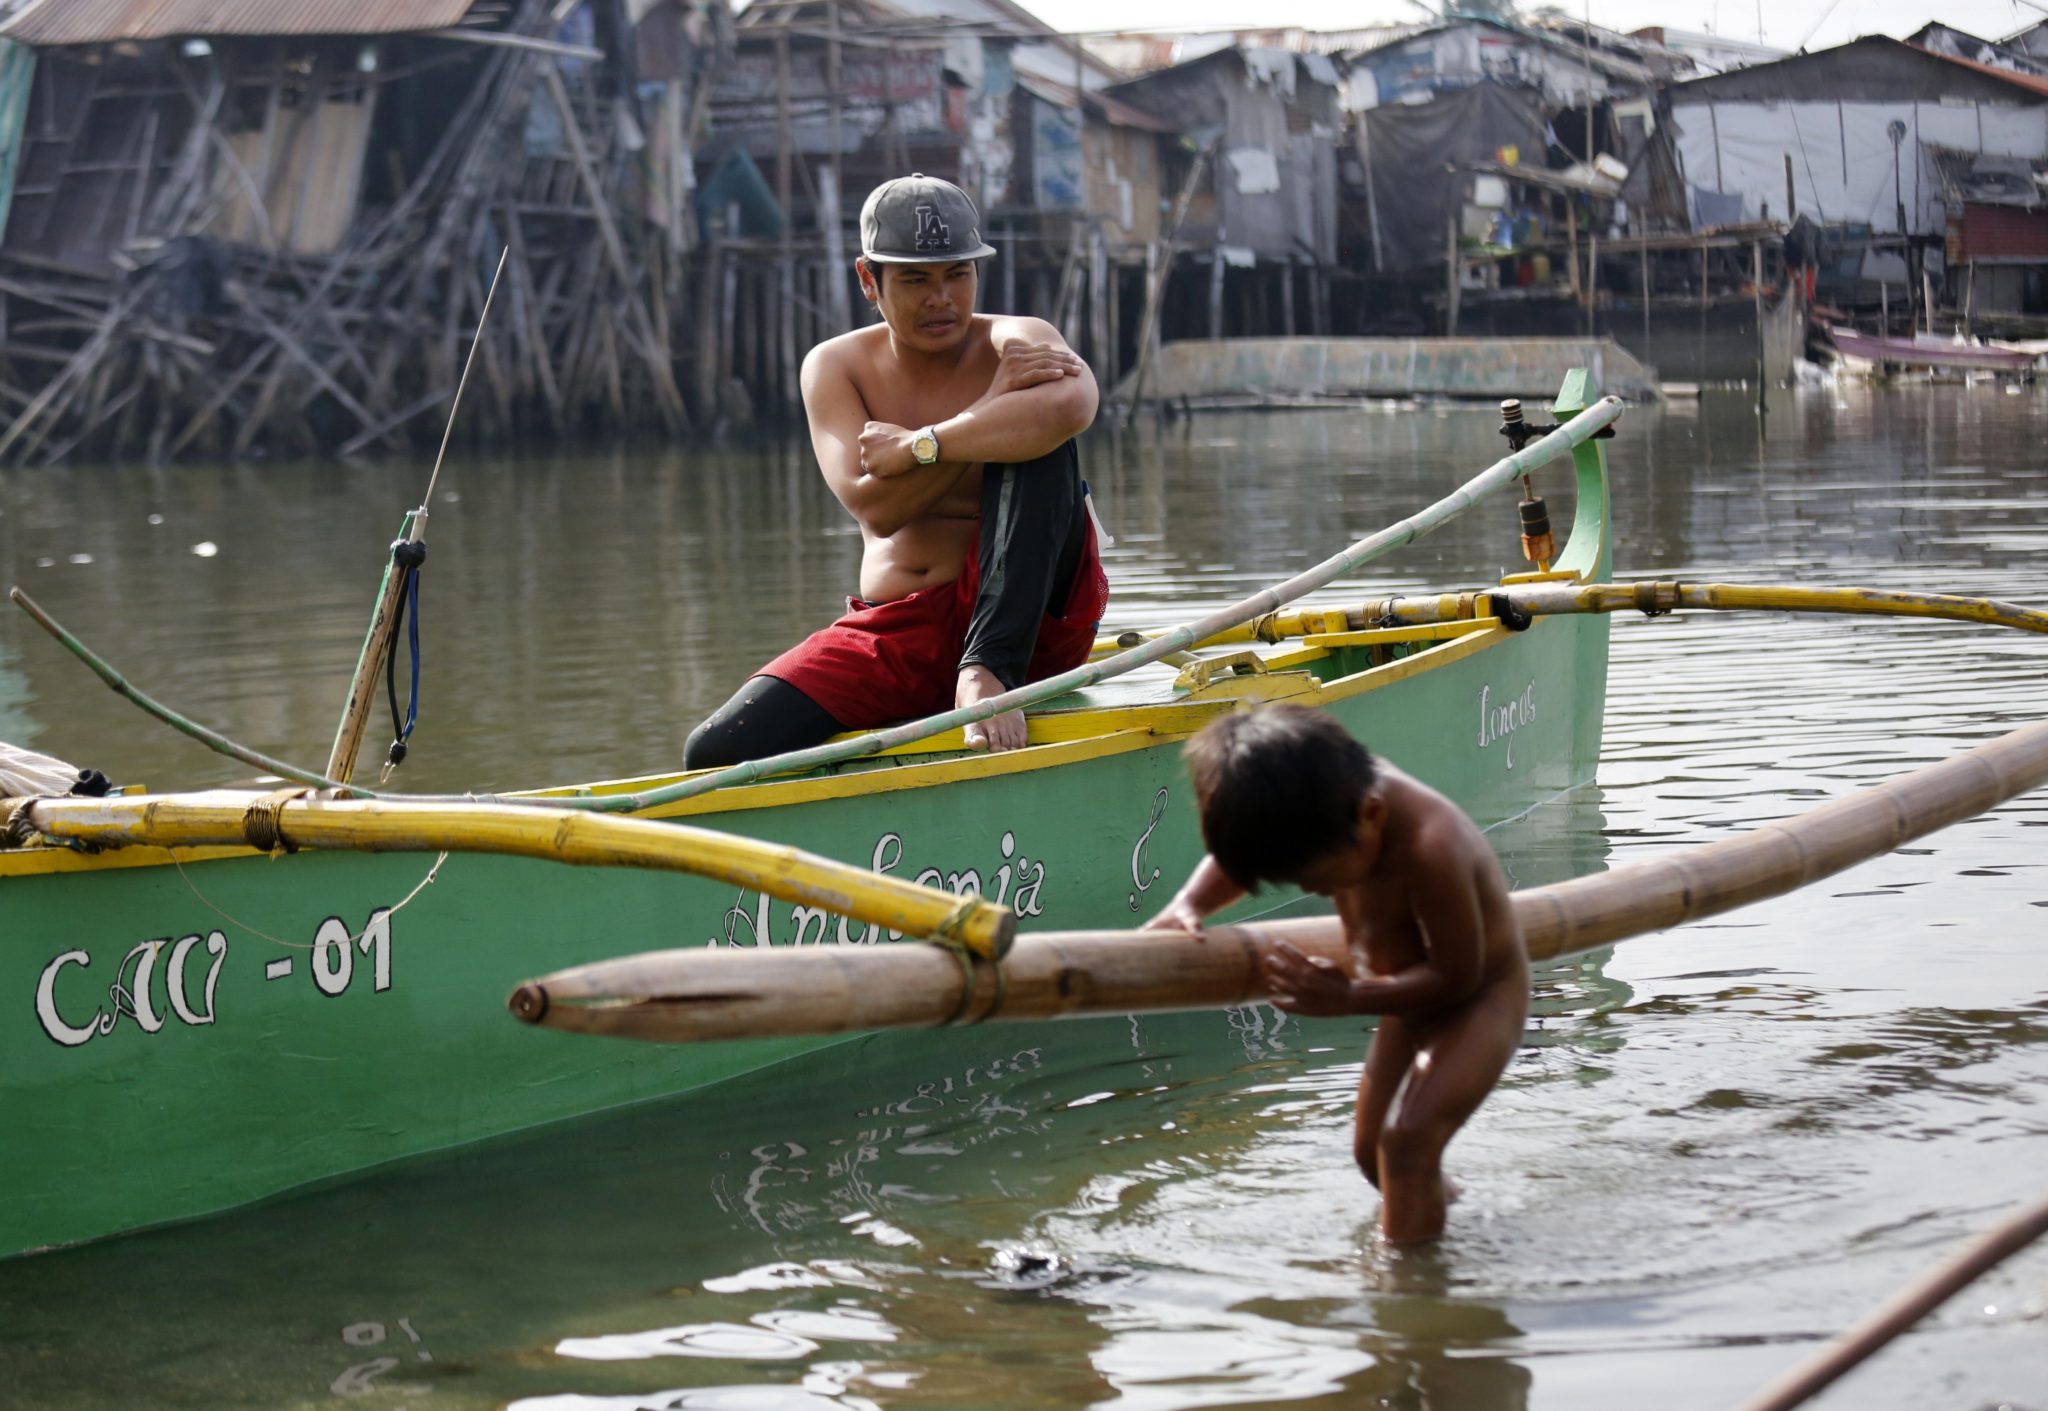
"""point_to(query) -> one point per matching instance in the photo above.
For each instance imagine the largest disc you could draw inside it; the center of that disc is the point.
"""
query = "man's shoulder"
(846, 349)
(1008, 328)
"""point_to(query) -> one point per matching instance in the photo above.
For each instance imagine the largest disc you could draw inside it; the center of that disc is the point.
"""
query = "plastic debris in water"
(81, 558)
(206, 548)
(1027, 1267)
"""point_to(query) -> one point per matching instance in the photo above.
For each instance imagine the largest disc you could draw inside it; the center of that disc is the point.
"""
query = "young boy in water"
(1287, 796)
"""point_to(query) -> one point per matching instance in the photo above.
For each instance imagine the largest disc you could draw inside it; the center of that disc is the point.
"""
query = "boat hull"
(191, 1032)
(1908, 352)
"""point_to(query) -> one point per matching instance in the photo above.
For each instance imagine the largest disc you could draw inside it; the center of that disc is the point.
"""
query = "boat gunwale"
(957, 766)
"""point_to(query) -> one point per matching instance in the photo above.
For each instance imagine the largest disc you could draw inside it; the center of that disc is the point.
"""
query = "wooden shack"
(825, 99)
(1261, 224)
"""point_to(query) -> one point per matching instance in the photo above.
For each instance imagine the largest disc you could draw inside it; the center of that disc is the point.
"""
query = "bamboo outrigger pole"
(1513, 604)
(692, 995)
(362, 687)
(287, 821)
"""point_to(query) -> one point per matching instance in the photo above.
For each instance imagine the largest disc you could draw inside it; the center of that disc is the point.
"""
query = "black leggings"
(1033, 528)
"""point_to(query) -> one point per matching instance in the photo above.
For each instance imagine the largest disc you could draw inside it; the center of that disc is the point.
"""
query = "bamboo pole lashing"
(697, 995)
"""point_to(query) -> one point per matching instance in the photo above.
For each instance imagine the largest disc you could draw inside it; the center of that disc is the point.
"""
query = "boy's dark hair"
(1276, 788)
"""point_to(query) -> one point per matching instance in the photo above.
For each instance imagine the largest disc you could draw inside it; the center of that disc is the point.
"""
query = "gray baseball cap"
(920, 220)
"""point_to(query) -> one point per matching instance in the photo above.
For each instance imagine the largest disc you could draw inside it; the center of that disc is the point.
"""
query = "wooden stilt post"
(1451, 280)
(836, 306)
(1115, 302)
(1069, 274)
(1592, 284)
(785, 268)
(1216, 263)
(1756, 284)
(1645, 252)
(710, 289)
(1008, 244)
(1571, 228)
(1102, 355)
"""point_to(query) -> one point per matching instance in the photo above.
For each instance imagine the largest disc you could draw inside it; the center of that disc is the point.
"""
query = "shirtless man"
(1287, 796)
(949, 437)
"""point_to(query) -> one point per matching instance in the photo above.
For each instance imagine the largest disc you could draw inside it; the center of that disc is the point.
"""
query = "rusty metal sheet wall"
(59, 22)
(2003, 233)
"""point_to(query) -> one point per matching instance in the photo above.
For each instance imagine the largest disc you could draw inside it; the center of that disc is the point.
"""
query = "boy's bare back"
(1435, 897)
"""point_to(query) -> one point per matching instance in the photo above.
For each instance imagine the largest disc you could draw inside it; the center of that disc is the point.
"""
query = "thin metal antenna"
(355, 713)
(449, 430)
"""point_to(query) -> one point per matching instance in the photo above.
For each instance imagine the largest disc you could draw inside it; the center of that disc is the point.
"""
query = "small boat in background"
(1928, 351)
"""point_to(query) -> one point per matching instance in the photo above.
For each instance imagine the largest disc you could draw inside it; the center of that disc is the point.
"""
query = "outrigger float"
(222, 996)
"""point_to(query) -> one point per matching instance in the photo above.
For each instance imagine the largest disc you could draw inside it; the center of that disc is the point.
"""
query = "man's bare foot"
(997, 733)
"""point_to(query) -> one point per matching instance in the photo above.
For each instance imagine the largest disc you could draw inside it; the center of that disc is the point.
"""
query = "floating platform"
(1307, 371)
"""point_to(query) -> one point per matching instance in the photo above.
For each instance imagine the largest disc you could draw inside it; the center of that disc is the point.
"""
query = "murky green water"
(1718, 1146)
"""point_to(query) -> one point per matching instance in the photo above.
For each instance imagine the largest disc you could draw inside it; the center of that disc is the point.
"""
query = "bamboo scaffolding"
(688, 996)
(283, 823)
(303, 338)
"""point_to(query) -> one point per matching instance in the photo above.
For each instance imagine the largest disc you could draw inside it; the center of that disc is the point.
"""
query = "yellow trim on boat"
(1387, 636)
(32, 862)
(1555, 575)
(856, 783)
(1457, 649)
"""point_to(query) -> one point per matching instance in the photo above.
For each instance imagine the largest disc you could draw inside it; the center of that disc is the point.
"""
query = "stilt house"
(272, 223)
(1260, 233)
(827, 98)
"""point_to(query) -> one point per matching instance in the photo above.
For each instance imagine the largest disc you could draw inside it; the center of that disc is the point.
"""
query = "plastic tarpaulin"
(17, 76)
(25, 774)
(1404, 149)
(1842, 154)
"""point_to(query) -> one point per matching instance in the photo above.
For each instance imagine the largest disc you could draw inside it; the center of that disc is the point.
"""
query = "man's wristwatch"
(925, 446)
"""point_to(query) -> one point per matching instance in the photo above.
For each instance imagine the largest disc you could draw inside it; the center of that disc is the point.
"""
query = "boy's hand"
(1180, 915)
(1303, 984)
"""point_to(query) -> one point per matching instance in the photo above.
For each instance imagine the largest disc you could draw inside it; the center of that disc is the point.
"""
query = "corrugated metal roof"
(50, 23)
(2030, 82)
(1113, 111)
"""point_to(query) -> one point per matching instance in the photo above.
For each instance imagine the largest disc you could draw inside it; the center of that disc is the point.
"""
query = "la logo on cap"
(932, 233)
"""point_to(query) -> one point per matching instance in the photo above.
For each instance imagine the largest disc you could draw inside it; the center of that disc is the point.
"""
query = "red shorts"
(899, 660)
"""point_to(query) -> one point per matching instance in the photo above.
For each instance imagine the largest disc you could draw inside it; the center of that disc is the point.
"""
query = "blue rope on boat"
(412, 639)
(408, 557)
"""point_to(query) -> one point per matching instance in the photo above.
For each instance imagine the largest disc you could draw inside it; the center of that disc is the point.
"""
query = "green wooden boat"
(192, 1028)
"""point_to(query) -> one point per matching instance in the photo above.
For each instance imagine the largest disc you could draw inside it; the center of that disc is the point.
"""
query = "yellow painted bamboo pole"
(692, 995)
(281, 821)
(1543, 599)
